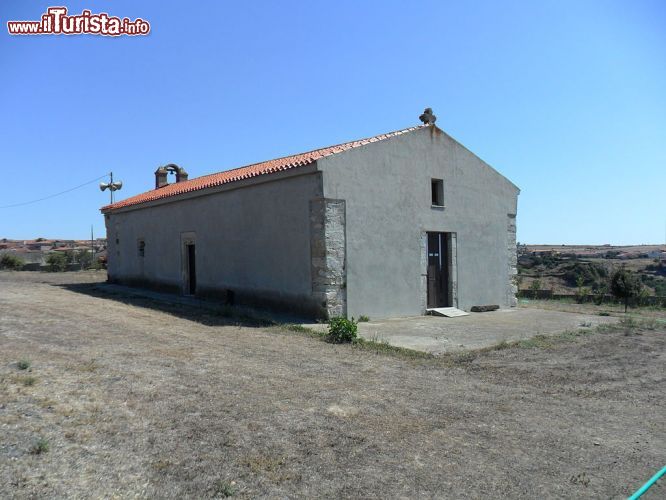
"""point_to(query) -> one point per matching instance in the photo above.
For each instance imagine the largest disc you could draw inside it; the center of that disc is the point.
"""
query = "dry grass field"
(649, 314)
(128, 398)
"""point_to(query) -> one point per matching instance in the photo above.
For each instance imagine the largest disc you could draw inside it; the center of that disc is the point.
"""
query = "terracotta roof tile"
(237, 174)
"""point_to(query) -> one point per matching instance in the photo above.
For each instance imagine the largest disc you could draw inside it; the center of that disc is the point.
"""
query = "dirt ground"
(430, 334)
(132, 398)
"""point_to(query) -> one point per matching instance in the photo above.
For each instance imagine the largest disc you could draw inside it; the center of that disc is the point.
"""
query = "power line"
(54, 195)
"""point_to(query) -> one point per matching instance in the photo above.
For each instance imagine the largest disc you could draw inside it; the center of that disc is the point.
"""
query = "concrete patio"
(440, 335)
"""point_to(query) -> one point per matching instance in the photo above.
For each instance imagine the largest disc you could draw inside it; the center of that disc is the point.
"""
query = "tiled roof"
(237, 174)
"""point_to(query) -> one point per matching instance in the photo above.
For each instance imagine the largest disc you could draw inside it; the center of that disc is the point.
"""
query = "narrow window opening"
(437, 186)
(142, 248)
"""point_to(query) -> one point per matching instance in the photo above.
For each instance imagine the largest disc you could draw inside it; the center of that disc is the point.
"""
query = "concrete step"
(449, 312)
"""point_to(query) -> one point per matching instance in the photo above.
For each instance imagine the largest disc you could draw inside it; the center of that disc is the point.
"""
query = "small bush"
(464, 357)
(57, 262)
(535, 286)
(537, 342)
(97, 265)
(11, 262)
(581, 295)
(599, 294)
(628, 322)
(581, 274)
(224, 488)
(85, 258)
(23, 364)
(643, 297)
(71, 255)
(502, 345)
(625, 286)
(363, 319)
(28, 381)
(40, 446)
(341, 330)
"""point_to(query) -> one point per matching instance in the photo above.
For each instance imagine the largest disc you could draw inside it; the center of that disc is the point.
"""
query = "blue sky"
(566, 98)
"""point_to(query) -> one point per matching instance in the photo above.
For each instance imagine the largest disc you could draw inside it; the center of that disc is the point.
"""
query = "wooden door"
(191, 269)
(438, 267)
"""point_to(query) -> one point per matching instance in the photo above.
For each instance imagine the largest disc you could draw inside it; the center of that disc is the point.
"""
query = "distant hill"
(561, 268)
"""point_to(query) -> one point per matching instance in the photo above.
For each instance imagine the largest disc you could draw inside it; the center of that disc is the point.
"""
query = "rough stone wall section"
(328, 253)
(512, 259)
(453, 270)
(424, 271)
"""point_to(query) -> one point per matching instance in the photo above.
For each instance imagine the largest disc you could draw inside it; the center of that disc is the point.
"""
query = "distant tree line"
(55, 261)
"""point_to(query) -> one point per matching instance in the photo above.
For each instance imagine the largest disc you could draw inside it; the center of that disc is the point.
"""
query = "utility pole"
(92, 246)
(111, 190)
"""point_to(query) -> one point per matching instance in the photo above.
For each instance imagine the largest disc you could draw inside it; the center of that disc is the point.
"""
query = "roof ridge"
(304, 153)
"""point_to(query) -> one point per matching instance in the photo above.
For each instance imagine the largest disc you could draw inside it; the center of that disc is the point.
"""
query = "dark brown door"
(438, 267)
(191, 269)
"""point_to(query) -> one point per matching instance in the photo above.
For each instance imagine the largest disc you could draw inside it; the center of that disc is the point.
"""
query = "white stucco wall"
(253, 240)
(387, 190)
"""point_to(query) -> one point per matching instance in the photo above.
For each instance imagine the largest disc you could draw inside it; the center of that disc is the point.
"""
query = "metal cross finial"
(428, 118)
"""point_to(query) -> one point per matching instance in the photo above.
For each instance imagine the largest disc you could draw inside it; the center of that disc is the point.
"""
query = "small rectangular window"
(142, 248)
(437, 192)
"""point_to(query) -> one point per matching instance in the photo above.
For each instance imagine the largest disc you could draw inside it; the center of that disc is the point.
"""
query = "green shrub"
(363, 318)
(23, 364)
(224, 489)
(85, 258)
(581, 274)
(535, 286)
(599, 294)
(660, 288)
(71, 255)
(97, 265)
(12, 262)
(625, 286)
(581, 291)
(341, 330)
(628, 322)
(464, 357)
(57, 262)
(655, 281)
(546, 261)
(658, 267)
(40, 446)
